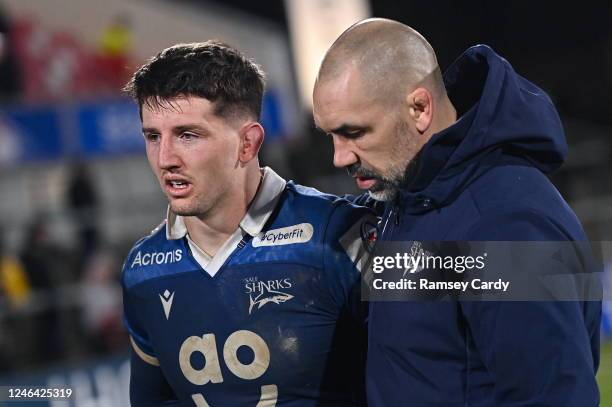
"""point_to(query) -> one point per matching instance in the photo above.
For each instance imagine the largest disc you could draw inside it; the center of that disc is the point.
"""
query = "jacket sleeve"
(541, 353)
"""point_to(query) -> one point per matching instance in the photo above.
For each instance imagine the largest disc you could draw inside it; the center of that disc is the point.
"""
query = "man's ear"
(251, 139)
(420, 105)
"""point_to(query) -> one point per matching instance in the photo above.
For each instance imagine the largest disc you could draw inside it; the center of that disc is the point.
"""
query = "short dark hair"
(211, 70)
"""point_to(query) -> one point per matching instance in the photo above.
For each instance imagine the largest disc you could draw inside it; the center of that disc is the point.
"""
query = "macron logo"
(301, 233)
(166, 299)
(148, 259)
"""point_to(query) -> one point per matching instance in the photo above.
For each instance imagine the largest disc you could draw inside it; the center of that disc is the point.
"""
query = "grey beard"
(384, 195)
(387, 189)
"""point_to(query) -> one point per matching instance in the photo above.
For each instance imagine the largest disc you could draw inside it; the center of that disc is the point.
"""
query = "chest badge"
(265, 292)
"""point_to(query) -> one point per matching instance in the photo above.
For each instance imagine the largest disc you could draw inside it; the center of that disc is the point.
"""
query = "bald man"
(459, 158)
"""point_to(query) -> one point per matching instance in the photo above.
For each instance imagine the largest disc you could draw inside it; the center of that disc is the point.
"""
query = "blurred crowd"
(39, 64)
(59, 302)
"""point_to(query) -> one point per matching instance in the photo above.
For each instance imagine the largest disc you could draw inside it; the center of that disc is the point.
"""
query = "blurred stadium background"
(76, 190)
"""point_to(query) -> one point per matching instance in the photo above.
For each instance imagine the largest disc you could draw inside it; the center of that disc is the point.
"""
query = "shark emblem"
(267, 296)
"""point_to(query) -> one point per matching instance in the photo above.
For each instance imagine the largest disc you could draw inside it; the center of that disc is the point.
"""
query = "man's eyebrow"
(176, 129)
(342, 129)
(146, 130)
(187, 127)
(346, 129)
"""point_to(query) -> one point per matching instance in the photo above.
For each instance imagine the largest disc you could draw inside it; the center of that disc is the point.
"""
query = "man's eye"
(188, 136)
(354, 134)
(151, 137)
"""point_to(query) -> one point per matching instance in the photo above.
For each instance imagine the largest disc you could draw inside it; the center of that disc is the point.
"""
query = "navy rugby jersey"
(274, 318)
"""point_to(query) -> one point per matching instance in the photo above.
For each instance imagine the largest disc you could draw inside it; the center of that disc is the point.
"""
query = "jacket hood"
(507, 120)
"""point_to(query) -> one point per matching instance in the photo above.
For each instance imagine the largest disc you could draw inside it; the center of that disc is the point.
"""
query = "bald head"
(379, 96)
(391, 59)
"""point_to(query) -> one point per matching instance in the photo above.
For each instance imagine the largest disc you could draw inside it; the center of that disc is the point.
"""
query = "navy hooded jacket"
(483, 178)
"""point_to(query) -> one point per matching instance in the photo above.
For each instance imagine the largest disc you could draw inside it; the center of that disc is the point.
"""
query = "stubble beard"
(387, 187)
(190, 206)
(398, 174)
(185, 209)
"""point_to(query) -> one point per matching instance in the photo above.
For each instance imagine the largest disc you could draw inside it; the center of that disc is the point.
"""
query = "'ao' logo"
(211, 371)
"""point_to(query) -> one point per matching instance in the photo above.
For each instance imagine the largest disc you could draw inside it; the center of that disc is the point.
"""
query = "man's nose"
(167, 155)
(343, 155)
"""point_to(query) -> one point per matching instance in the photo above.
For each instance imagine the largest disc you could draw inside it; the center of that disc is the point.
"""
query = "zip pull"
(383, 227)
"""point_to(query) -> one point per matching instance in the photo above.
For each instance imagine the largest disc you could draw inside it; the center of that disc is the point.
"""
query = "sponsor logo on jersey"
(211, 372)
(153, 258)
(166, 299)
(301, 233)
(266, 292)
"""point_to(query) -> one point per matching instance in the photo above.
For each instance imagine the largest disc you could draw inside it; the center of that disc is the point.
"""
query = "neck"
(211, 230)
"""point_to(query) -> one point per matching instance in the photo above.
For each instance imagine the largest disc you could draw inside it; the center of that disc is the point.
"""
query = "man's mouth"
(365, 182)
(178, 184)
(365, 179)
(177, 188)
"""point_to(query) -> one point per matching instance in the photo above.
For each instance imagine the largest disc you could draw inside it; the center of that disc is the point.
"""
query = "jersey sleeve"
(139, 338)
(148, 385)
(349, 238)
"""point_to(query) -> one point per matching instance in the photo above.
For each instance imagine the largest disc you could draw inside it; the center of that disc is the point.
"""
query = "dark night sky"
(566, 48)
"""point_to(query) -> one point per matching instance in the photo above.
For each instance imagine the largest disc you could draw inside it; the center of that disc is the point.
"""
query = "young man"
(248, 294)
(461, 162)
